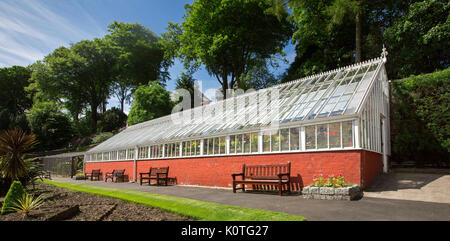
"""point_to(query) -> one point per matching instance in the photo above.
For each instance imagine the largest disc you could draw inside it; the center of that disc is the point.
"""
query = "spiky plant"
(26, 204)
(13, 145)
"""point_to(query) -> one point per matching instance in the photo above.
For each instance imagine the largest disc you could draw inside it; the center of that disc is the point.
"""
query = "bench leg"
(243, 187)
(234, 187)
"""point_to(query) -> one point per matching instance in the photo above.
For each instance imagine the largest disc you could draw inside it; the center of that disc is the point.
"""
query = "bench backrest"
(118, 172)
(154, 170)
(96, 172)
(266, 171)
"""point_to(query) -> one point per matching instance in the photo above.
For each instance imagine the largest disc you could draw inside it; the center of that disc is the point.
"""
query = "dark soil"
(91, 208)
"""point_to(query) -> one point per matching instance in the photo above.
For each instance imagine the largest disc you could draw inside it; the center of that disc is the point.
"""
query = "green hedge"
(420, 115)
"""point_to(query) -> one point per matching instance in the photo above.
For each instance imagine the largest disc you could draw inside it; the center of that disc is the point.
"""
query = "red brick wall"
(371, 166)
(357, 166)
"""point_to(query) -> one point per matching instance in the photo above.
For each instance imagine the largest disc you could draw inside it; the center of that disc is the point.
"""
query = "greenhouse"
(336, 122)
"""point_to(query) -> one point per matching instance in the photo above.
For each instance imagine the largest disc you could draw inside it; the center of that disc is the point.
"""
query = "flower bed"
(332, 188)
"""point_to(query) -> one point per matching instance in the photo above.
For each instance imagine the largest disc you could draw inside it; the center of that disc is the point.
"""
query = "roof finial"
(384, 53)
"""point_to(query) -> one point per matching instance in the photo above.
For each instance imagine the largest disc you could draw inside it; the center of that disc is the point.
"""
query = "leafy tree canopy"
(52, 127)
(419, 41)
(14, 100)
(228, 37)
(150, 101)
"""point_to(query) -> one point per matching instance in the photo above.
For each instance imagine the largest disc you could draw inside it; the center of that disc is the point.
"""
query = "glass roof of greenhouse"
(333, 94)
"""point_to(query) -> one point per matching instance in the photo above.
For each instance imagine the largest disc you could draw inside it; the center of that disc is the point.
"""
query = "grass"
(197, 210)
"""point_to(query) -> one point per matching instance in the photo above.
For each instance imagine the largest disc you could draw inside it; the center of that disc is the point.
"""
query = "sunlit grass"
(194, 209)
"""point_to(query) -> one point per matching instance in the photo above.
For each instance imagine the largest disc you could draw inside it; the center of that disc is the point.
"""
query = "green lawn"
(198, 210)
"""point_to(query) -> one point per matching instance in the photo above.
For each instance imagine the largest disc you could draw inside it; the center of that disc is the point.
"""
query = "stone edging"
(330, 193)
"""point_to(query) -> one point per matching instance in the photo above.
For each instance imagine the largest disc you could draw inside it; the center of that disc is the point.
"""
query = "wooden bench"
(93, 174)
(118, 174)
(160, 174)
(277, 176)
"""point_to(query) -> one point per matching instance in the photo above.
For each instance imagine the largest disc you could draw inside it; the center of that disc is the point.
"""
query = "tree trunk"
(358, 38)
(94, 116)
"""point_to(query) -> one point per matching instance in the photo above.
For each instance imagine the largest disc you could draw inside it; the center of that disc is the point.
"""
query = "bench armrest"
(237, 174)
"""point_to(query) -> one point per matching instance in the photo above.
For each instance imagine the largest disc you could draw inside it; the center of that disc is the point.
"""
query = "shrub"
(16, 191)
(420, 115)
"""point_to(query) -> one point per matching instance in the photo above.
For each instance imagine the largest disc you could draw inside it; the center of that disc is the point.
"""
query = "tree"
(339, 10)
(228, 37)
(14, 100)
(52, 128)
(187, 82)
(418, 41)
(80, 75)
(140, 58)
(112, 120)
(318, 48)
(325, 34)
(150, 101)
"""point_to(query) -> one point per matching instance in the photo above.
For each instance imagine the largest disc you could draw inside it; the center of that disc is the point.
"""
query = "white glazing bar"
(356, 90)
(260, 142)
(319, 99)
(356, 139)
(302, 103)
(303, 138)
(331, 94)
(345, 90)
(364, 98)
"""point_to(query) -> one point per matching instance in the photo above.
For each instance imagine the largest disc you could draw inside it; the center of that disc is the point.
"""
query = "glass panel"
(155, 151)
(184, 151)
(222, 144)
(232, 144)
(198, 147)
(123, 154)
(310, 137)
(347, 134)
(166, 150)
(177, 149)
(266, 142)
(254, 142)
(210, 146)
(335, 135)
(105, 155)
(284, 139)
(193, 148)
(239, 143)
(246, 143)
(275, 138)
(322, 139)
(295, 138)
(130, 154)
(216, 146)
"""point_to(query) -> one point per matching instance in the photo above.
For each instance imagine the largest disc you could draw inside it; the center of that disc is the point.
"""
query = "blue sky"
(31, 29)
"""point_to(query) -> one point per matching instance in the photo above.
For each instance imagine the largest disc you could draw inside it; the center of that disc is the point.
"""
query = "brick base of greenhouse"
(358, 167)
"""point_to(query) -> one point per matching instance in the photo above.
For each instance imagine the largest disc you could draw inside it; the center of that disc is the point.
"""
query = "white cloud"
(29, 29)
